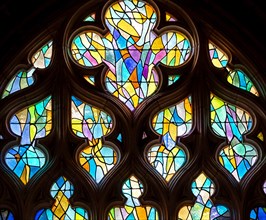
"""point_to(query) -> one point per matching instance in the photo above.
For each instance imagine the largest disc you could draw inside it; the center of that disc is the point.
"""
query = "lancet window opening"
(131, 111)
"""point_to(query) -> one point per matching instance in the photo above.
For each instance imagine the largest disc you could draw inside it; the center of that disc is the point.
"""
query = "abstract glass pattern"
(90, 79)
(21, 80)
(61, 191)
(218, 57)
(172, 79)
(169, 17)
(6, 215)
(260, 136)
(133, 210)
(231, 122)
(131, 50)
(172, 122)
(235, 77)
(259, 213)
(30, 124)
(42, 58)
(91, 123)
(24, 78)
(203, 209)
(239, 79)
(91, 17)
(119, 137)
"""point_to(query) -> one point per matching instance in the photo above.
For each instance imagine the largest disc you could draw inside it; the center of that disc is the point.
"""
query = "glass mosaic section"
(91, 123)
(218, 57)
(236, 77)
(61, 191)
(260, 136)
(239, 79)
(91, 17)
(34, 122)
(120, 138)
(133, 210)
(42, 58)
(24, 78)
(232, 123)
(90, 79)
(21, 80)
(172, 122)
(203, 209)
(6, 215)
(169, 17)
(258, 213)
(131, 49)
(172, 79)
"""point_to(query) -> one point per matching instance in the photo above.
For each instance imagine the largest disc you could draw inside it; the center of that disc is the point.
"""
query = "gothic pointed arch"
(132, 109)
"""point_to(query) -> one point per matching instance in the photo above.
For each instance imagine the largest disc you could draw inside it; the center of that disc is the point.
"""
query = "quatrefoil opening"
(131, 50)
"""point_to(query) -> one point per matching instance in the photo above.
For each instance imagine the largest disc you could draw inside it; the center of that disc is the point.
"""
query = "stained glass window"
(259, 213)
(6, 215)
(131, 50)
(132, 110)
(236, 77)
(202, 188)
(26, 158)
(92, 123)
(24, 78)
(170, 17)
(90, 18)
(132, 190)
(171, 123)
(61, 191)
(232, 122)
